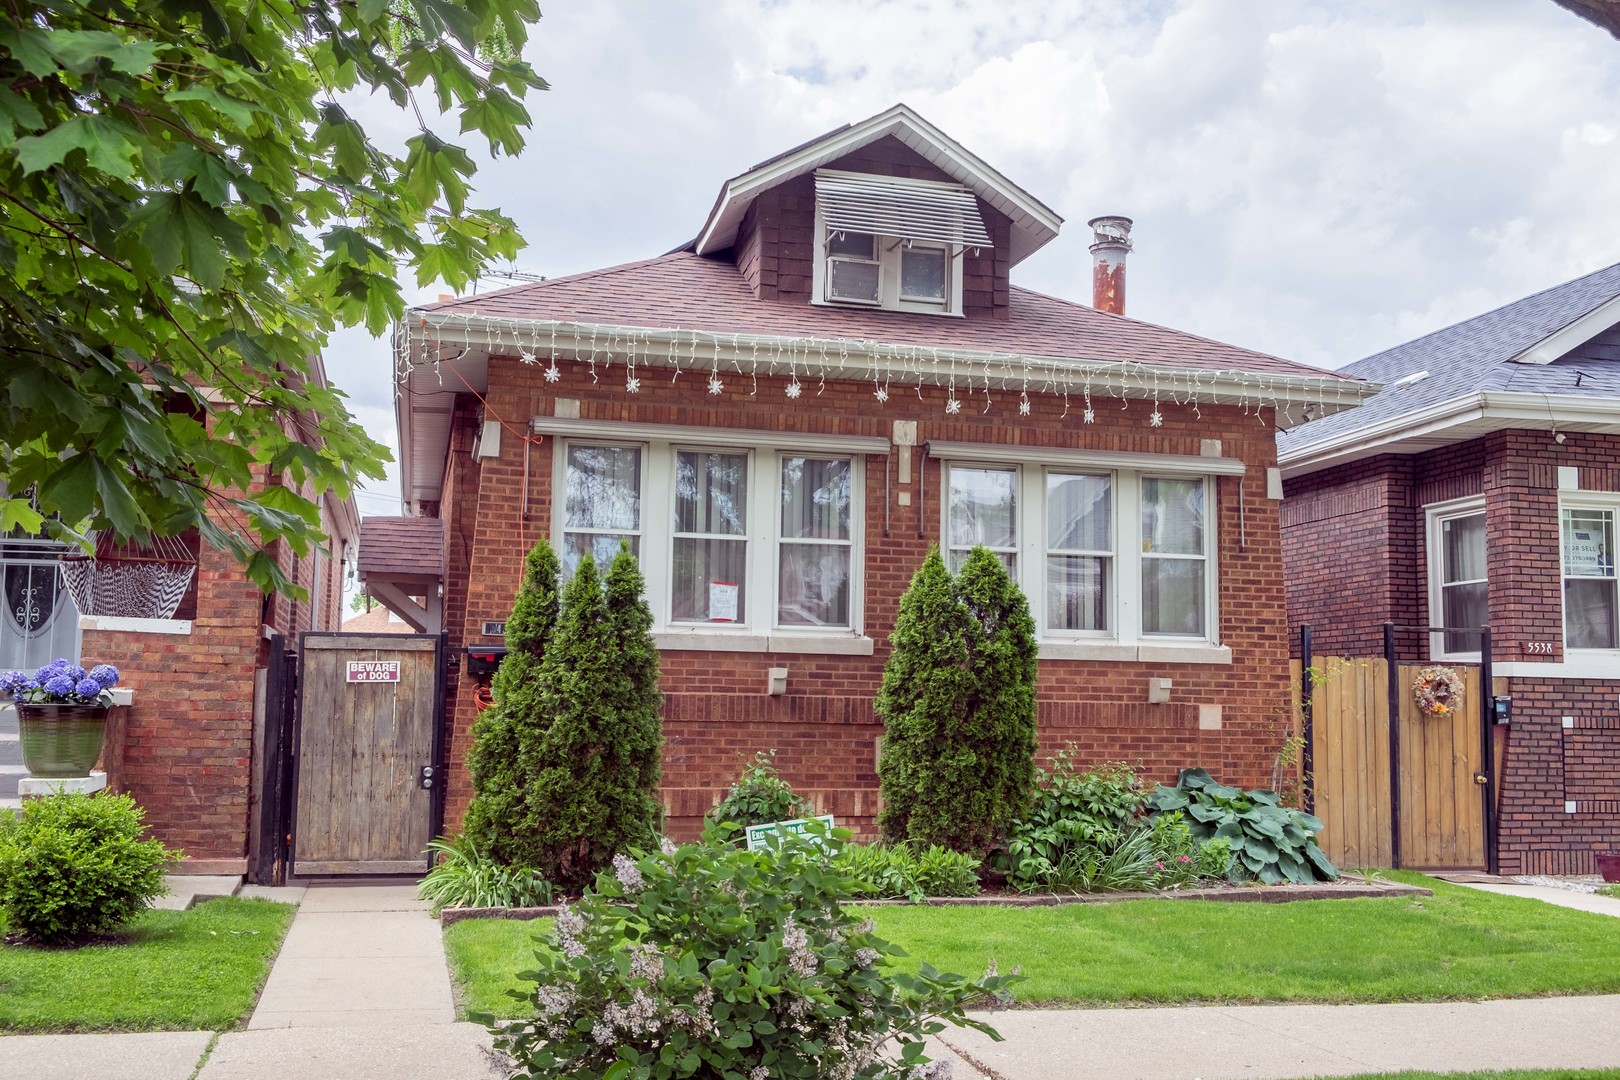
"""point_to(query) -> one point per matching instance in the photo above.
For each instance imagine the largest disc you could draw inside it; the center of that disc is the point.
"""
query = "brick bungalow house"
(190, 745)
(784, 413)
(1481, 486)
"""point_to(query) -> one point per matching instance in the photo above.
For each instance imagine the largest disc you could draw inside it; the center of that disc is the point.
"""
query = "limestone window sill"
(1137, 652)
(779, 642)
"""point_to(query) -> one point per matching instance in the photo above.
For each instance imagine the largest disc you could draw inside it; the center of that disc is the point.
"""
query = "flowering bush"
(61, 682)
(710, 960)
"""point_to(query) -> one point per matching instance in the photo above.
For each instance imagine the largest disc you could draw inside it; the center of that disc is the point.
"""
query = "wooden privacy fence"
(1441, 800)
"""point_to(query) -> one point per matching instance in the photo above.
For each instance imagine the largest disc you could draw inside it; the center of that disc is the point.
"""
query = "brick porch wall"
(716, 707)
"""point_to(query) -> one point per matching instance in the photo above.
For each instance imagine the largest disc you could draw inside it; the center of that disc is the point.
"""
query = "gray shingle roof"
(1476, 355)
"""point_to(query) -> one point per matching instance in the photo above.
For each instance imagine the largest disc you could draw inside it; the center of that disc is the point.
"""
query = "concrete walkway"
(1283, 1042)
(1580, 901)
(360, 989)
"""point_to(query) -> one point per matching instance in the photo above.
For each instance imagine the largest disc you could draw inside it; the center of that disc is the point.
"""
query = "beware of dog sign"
(373, 671)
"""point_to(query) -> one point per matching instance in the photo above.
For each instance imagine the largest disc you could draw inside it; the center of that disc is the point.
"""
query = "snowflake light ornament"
(1023, 405)
(552, 373)
(1156, 419)
(953, 406)
(882, 394)
(1089, 416)
(632, 385)
(527, 357)
(715, 385)
(794, 389)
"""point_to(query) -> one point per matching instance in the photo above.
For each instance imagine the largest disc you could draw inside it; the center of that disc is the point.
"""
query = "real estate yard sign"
(759, 836)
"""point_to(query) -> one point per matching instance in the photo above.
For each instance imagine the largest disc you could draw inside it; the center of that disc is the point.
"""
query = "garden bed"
(1242, 894)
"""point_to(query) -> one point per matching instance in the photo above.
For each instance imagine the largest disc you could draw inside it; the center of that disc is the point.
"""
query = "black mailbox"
(484, 659)
(1501, 709)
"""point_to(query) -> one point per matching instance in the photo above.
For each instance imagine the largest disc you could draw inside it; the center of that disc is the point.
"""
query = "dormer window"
(889, 242)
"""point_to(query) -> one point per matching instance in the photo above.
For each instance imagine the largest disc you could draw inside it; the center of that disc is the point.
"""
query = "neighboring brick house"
(188, 747)
(1482, 487)
(783, 414)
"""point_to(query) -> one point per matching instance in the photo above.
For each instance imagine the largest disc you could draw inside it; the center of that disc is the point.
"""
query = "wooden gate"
(369, 723)
(1441, 805)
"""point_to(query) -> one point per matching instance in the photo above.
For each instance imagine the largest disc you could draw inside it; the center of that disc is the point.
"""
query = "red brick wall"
(716, 707)
(188, 735)
(776, 239)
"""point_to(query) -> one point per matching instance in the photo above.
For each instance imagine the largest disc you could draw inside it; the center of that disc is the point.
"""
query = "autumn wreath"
(1438, 691)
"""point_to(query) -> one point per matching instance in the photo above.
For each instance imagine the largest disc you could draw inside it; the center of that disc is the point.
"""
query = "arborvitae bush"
(958, 706)
(499, 821)
(591, 782)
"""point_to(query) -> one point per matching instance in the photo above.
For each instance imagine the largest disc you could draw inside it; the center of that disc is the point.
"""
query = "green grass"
(1458, 944)
(169, 970)
(1609, 890)
(1511, 1074)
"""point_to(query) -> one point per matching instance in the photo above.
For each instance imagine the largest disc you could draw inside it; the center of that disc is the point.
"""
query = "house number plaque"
(373, 671)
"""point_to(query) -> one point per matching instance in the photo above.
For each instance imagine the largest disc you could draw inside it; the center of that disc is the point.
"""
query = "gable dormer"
(888, 214)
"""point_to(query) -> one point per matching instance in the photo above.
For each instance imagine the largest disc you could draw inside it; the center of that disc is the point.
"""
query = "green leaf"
(18, 516)
(104, 145)
(71, 489)
(117, 503)
(235, 108)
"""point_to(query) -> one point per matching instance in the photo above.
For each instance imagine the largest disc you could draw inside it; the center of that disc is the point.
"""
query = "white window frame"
(1125, 610)
(757, 617)
(1435, 517)
(889, 298)
(1608, 502)
(747, 537)
(559, 513)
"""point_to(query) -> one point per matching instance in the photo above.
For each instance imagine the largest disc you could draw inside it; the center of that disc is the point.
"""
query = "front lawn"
(1458, 944)
(171, 970)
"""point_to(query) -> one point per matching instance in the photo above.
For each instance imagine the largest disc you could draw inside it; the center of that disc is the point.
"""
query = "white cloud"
(1310, 178)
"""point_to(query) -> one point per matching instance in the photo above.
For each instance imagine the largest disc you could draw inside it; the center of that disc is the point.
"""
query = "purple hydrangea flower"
(106, 675)
(87, 688)
(46, 674)
(15, 682)
(76, 673)
(59, 686)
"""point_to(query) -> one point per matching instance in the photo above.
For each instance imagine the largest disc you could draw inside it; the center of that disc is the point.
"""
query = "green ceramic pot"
(61, 742)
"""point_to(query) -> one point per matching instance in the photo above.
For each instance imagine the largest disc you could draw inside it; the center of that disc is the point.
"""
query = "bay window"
(741, 541)
(1118, 555)
(1591, 605)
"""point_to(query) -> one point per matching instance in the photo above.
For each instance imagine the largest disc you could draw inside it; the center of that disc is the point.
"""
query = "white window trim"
(1435, 516)
(1584, 500)
(755, 629)
(889, 299)
(1125, 641)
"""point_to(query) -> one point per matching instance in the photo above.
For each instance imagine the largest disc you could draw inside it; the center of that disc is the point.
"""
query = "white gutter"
(1502, 409)
(907, 365)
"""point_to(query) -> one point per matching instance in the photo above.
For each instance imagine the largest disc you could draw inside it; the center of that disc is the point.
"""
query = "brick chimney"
(1112, 243)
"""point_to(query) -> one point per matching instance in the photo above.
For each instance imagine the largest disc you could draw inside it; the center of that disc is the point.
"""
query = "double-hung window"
(730, 539)
(601, 502)
(1458, 588)
(1118, 555)
(1591, 604)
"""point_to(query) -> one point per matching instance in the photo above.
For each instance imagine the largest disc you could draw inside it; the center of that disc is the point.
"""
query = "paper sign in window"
(723, 601)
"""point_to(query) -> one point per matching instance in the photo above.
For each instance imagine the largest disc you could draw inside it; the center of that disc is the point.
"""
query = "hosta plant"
(710, 960)
(1270, 843)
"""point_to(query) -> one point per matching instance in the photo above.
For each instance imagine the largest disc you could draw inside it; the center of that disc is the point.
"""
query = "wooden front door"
(368, 720)
(1441, 804)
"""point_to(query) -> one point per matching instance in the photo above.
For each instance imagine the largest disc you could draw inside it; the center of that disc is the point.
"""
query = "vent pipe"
(1112, 243)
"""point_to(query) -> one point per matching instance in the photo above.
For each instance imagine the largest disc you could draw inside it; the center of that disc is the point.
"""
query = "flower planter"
(60, 742)
(1609, 866)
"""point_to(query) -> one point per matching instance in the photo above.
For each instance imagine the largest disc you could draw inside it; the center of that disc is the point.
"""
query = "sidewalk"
(1285, 1042)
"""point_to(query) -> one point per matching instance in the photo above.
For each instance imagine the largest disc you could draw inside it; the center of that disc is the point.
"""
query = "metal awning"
(908, 209)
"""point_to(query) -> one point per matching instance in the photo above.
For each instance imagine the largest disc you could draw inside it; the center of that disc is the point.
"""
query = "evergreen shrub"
(710, 960)
(958, 707)
(591, 782)
(499, 822)
(74, 867)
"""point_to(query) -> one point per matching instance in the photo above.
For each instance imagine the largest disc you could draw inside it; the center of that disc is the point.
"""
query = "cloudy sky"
(1317, 180)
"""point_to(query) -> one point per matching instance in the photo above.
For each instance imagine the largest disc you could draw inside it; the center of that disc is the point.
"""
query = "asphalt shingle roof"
(401, 547)
(682, 290)
(1476, 355)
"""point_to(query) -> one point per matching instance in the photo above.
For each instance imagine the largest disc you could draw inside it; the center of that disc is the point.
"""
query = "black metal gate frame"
(1487, 734)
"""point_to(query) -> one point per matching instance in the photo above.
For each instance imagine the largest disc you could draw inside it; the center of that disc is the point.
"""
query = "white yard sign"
(759, 836)
(373, 671)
